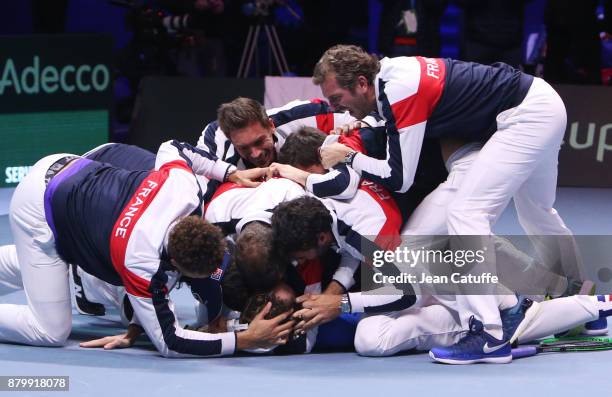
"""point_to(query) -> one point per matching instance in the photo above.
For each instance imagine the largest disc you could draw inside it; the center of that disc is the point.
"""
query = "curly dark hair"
(301, 149)
(347, 62)
(296, 225)
(196, 246)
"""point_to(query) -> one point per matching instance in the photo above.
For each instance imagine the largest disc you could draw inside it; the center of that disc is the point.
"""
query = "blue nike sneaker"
(476, 347)
(597, 327)
(516, 319)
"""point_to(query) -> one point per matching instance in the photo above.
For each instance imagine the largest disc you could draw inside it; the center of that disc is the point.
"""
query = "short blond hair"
(347, 62)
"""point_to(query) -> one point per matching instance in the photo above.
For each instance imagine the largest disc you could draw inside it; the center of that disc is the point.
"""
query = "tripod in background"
(261, 10)
(252, 42)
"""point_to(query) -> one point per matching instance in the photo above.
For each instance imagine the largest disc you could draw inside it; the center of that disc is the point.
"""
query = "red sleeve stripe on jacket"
(417, 108)
(124, 226)
(389, 235)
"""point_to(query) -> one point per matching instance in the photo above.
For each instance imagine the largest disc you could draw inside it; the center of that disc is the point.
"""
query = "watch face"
(345, 306)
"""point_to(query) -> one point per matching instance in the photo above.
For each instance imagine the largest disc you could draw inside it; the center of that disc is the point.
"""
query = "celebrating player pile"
(441, 148)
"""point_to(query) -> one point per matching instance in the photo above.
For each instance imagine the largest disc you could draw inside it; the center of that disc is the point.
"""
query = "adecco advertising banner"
(55, 96)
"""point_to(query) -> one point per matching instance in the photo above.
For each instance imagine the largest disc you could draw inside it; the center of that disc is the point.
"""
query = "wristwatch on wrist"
(348, 158)
(345, 304)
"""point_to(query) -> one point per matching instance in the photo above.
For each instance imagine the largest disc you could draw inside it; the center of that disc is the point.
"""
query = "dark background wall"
(180, 108)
